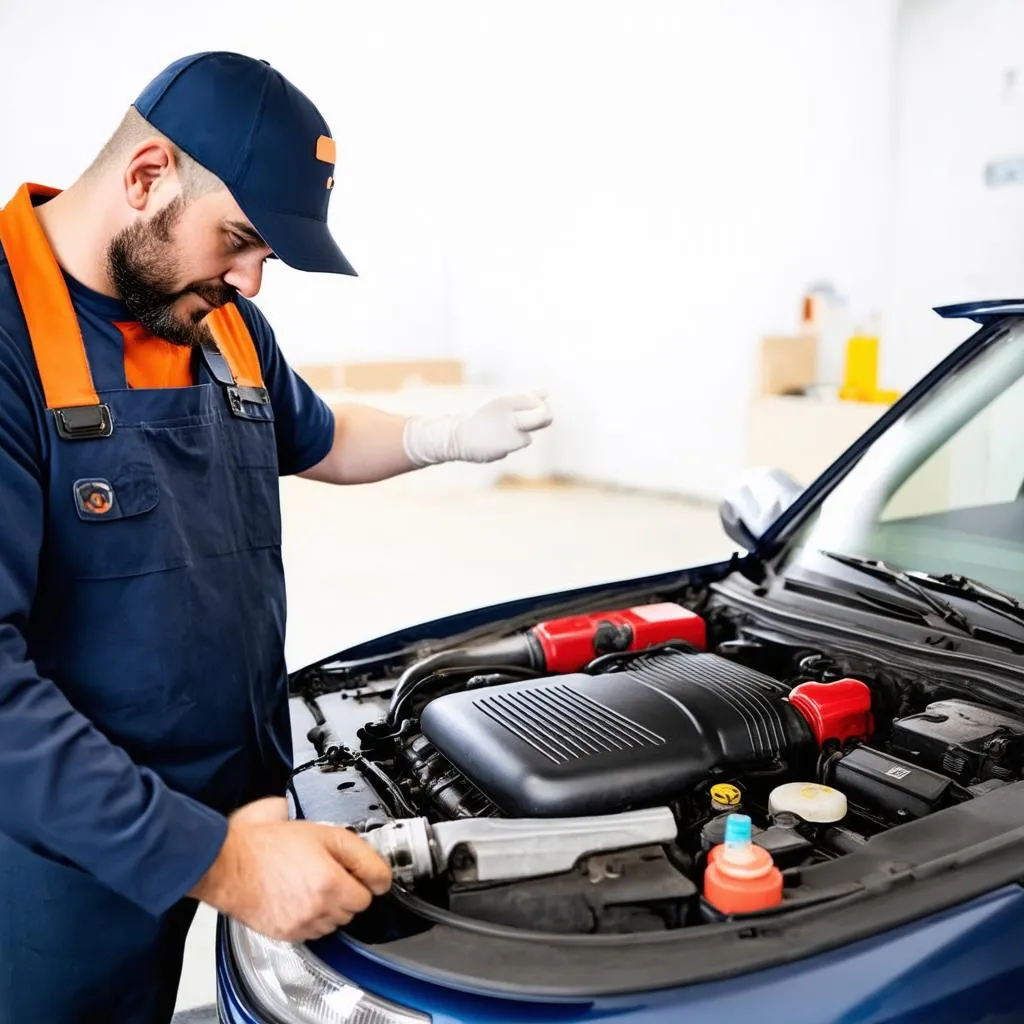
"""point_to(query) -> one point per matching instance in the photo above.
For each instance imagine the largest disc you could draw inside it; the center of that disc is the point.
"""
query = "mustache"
(215, 295)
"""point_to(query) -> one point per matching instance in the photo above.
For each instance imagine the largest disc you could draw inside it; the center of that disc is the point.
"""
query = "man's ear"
(151, 165)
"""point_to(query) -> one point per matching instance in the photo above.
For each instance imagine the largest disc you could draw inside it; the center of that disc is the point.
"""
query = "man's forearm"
(368, 447)
(371, 445)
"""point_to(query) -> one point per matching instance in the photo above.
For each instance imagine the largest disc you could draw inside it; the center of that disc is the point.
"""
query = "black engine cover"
(582, 744)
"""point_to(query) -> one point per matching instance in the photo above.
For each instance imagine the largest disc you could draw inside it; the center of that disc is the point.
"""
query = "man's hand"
(493, 431)
(370, 444)
(291, 880)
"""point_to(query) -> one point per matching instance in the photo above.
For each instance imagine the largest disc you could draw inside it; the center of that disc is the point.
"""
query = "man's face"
(186, 260)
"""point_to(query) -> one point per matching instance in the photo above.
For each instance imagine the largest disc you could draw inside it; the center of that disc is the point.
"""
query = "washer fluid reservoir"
(741, 877)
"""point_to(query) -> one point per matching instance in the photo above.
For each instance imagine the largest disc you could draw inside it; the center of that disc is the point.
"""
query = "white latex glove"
(502, 426)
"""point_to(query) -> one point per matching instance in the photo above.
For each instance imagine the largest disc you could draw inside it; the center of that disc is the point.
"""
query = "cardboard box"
(789, 363)
(386, 375)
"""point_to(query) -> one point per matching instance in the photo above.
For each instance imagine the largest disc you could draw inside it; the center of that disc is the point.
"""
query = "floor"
(363, 561)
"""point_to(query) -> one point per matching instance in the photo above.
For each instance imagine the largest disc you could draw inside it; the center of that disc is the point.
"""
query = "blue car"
(785, 788)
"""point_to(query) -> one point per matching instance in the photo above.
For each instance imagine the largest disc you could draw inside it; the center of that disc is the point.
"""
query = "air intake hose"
(555, 646)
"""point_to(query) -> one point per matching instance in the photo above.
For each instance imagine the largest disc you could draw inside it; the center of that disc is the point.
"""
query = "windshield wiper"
(996, 601)
(873, 567)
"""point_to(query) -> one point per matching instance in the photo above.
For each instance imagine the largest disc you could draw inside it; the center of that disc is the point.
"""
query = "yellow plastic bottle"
(860, 375)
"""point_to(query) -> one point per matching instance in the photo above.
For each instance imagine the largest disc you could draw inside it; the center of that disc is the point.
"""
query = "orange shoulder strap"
(46, 304)
(236, 345)
(53, 326)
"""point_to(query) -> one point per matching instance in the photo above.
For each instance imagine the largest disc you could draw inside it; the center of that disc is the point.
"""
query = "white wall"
(953, 238)
(650, 188)
(610, 199)
(960, 104)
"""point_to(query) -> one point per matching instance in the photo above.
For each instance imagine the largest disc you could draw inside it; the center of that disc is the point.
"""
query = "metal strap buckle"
(84, 422)
(238, 395)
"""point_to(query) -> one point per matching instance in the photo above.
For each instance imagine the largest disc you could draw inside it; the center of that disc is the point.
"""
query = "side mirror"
(757, 499)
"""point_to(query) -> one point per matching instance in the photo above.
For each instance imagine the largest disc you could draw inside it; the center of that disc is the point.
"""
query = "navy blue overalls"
(147, 681)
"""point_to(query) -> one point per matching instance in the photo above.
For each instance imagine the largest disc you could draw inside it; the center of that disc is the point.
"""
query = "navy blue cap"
(264, 139)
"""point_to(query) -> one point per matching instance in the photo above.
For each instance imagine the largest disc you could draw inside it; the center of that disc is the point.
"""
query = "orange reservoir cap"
(741, 877)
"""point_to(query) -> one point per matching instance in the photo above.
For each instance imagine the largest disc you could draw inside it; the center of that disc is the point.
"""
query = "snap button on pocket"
(115, 530)
(94, 498)
(126, 489)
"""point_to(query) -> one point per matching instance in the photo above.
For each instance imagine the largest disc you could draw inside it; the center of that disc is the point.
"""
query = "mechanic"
(147, 415)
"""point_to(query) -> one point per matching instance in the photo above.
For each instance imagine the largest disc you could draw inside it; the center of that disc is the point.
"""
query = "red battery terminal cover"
(837, 711)
(569, 644)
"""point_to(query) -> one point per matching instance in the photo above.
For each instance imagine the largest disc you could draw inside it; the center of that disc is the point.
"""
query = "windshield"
(942, 491)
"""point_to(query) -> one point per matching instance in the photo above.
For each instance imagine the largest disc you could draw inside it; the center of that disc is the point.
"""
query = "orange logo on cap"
(325, 149)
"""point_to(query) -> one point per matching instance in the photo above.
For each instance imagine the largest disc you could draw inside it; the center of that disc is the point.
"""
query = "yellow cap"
(725, 794)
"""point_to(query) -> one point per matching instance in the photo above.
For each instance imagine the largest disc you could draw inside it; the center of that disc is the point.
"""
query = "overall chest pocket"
(105, 508)
(155, 498)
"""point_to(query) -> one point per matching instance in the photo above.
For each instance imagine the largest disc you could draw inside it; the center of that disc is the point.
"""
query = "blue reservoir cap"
(738, 829)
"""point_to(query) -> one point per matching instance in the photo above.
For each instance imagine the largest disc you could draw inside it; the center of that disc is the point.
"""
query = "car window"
(943, 490)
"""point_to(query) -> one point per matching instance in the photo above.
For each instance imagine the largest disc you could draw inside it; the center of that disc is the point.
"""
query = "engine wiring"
(617, 658)
(412, 904)
(343, 757)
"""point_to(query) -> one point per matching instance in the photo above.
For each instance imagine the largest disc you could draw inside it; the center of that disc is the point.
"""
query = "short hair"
(134, 129)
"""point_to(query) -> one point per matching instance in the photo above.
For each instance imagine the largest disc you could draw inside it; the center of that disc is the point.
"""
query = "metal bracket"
(238, 396)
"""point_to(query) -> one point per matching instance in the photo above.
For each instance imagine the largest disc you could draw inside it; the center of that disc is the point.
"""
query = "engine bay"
(587, 774)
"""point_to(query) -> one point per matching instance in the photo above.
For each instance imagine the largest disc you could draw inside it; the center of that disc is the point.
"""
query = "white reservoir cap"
(811, 801)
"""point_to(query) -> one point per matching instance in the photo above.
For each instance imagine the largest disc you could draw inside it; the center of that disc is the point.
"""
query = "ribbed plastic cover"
(581, 744)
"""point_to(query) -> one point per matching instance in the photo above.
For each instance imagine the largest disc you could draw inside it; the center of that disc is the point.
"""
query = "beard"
(143, 267)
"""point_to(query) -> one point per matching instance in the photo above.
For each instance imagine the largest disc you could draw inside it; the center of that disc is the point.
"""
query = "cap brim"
(304, 243)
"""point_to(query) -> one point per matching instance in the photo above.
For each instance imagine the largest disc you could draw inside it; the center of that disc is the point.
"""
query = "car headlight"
(288, 982)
